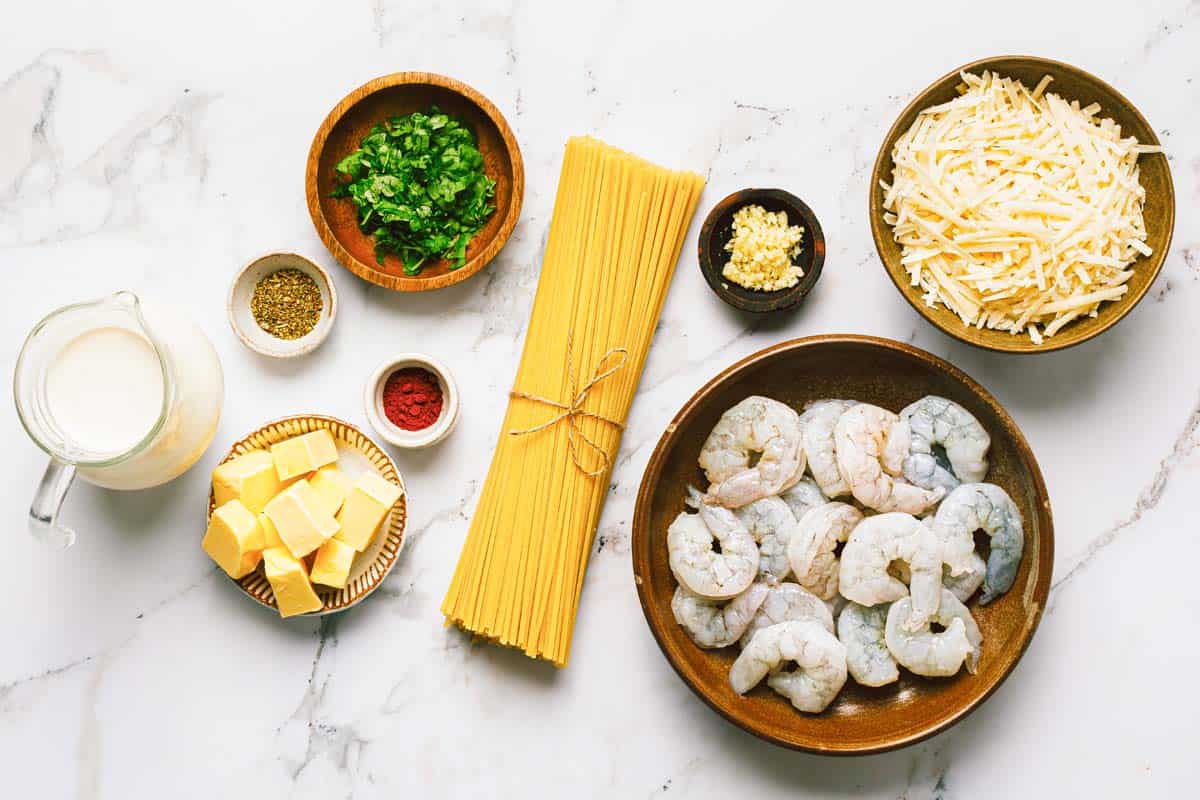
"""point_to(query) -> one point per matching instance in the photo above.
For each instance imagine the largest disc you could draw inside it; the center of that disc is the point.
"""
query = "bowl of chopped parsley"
(414, 181)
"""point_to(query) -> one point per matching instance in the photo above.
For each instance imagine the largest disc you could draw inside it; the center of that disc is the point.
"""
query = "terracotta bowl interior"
(1071, 83)
(861, 720)
(352, 120)
(717, 230)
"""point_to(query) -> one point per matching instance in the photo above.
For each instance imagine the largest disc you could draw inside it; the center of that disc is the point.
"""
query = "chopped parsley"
(418, 183)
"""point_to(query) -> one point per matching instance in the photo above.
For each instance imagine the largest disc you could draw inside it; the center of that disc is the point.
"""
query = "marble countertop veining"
(159, 146)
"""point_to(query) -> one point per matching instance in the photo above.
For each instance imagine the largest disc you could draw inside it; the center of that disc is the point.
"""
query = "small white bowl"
(241, 319)
(373, 401)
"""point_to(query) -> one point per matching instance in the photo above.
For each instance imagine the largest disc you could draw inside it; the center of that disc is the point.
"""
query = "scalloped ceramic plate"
(356, 453)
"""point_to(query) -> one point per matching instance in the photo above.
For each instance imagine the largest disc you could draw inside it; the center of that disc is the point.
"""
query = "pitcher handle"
(47, 502)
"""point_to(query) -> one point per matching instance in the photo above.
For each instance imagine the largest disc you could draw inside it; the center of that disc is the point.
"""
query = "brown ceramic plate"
(717, 230)
(356, 452)
(351, 120)
(861, 720)
(1071, 83)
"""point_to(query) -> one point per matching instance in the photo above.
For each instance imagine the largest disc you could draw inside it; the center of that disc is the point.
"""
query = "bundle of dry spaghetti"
(618, 226)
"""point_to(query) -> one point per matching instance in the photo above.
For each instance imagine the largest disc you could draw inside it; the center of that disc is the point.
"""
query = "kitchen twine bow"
(574, 410)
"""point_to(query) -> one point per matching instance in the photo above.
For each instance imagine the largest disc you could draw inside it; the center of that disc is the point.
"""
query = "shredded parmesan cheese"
(762, 247)
(1016, 209)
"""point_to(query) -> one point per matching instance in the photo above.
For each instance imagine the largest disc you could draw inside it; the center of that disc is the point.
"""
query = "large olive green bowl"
(1071, 83)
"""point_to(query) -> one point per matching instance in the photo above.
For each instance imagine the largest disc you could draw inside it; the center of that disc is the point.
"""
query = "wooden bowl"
(356, 452)
(1071, 83)
(717, 230)
(890, 374)
(344, 128)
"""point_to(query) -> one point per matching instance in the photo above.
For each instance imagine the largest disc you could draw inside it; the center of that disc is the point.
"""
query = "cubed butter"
(366, 506)
(234, 539)
(293, 592)
(302, 454)
(331, 486)
(299, 519)
(332, 565)
(270, 533)
(251, 478)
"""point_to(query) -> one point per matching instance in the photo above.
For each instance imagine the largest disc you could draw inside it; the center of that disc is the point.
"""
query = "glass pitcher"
(124, 391)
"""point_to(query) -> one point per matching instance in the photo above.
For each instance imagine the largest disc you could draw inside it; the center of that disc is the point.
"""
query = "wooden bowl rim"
(1110, 313)
(779, 300)
(386, 558)
(405, 283)
(639, 542)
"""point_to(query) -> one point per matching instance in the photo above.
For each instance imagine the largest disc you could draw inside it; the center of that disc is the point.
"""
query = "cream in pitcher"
(123, 390)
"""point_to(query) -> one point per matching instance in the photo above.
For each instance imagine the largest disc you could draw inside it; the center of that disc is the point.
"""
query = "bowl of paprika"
(411, 400)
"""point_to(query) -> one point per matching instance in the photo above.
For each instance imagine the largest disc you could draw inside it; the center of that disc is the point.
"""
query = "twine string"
(572, 412)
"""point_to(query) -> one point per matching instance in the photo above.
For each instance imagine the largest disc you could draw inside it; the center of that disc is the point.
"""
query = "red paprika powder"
(412, 398)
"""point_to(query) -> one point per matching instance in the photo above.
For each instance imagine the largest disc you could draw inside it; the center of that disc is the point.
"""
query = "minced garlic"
(762, 248)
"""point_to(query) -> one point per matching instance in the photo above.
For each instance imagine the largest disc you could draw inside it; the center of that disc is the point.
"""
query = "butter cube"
(250, 477)
(332, 565)
(366, 506)
(270, 532)
(293, 592)
(331, 485)
(299, 519)
(234, 539)
(302, 454)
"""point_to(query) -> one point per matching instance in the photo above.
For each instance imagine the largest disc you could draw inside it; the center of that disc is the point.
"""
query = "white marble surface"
(158, 146)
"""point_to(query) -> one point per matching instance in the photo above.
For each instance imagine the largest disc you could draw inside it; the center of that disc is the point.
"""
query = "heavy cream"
(104, 390)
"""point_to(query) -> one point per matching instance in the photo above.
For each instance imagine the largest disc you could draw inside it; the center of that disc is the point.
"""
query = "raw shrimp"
(697, 567)
(964, 585)
(934, 654)
(933, 422)
(785, 602)
(755, 425)
(772, 525)
(802, 496)
(876, 543)
(819, 657)
(867, 656)
(817, 423)
(868, 456)
(709, 623)
(811, 550)
(975, 506)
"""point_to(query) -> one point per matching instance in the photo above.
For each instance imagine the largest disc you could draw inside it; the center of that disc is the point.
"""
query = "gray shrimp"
(699, 568)
(755, 425)
(788, 601)
(861, 629)
(934, 654)
(811, 550)
(986, 507)
(772, 524)
(877, 542)
(816, 427)
(803, 495)
(711, 624)
(819, 657)
(933, 422)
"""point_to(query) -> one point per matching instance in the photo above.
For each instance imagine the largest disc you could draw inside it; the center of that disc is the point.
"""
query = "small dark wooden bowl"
(342, 131)
(890, 374)
(1071, 83)
(718, 230)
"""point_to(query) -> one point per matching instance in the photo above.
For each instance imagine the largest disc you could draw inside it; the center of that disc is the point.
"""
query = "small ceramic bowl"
(373, 401)
(718, 230)
(248, 330)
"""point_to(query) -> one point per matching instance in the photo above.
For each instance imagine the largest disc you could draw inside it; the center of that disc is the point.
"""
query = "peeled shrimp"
(934, 654)
(772, 525)
(868, 456)
(811, 549)
(700, 569)
(802, 496)
(876, 543)
(964, 585)
(709, 623)
(786, 602)
(817, 424)
(934, 420)
(975, 506)
(819, 657)
(755, 425)
(861, 629)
